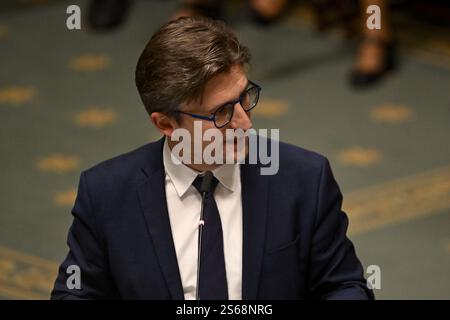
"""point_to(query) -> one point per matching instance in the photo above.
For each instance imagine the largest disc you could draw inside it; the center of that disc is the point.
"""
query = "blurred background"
(377, 104)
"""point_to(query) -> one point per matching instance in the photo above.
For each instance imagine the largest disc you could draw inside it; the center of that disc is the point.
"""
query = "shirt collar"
(182, 176)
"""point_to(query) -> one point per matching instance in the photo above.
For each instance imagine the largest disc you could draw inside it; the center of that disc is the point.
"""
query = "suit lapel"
(152, 196)
(254, 211)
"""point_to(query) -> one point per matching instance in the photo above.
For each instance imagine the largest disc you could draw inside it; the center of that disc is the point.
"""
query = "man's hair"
(181, 57)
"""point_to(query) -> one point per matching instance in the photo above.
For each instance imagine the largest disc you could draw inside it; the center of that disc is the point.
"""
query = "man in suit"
(135, 233)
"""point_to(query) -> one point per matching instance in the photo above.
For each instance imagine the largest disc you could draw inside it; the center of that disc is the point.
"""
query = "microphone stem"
(200, 233)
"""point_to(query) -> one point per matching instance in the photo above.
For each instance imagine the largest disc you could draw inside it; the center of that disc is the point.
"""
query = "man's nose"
(241, 119)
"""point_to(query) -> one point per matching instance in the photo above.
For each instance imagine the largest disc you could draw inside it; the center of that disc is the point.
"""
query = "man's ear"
(163, 123)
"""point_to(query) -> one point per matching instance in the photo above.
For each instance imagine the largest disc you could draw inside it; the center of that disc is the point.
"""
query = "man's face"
(219, 90)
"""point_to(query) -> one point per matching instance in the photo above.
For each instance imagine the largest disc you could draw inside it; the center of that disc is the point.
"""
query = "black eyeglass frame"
(212, 117)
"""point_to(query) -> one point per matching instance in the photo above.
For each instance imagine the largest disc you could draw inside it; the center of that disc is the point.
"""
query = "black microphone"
(204, 189)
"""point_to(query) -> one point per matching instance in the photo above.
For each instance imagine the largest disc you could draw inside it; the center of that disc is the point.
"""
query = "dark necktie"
(213, 280)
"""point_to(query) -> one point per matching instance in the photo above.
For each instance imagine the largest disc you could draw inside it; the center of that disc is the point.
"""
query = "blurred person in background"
(375, 53)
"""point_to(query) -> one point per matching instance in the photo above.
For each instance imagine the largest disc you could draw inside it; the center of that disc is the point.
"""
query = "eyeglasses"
(223, 114)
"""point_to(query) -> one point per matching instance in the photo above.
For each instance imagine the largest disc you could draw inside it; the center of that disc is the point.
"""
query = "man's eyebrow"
(212, 110)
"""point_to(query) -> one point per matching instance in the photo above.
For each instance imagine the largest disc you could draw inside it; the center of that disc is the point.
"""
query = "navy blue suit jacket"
(294, 232)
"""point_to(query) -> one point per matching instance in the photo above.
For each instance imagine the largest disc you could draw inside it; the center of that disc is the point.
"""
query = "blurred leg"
(269, 9)
(375, 52)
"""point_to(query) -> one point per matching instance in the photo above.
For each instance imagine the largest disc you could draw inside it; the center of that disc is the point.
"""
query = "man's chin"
(239, 152)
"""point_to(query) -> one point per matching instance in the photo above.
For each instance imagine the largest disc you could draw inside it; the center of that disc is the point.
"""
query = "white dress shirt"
(184, 204)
